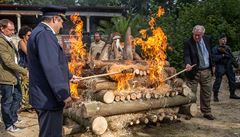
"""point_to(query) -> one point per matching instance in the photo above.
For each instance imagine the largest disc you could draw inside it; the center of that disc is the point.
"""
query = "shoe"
(18, 122)
(234, 96)
(13, 129)
(209, 116)
(215, 99)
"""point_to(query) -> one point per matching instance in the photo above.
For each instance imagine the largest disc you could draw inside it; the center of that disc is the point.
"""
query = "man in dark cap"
(222, 56)
(49, 76)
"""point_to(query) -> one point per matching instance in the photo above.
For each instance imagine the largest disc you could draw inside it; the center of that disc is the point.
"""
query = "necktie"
(200, 54)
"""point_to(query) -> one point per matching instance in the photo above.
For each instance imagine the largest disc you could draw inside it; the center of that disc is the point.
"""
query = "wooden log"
(137, 122)
(152, 118)
(133, 96)
(140, 81)
(118, 122)
(131, 123)
(178, 82)
(155, 95)
(161, 116)
(105, 96)
(99, 125)
(172, 93)
(140, 72)
(144, 73)
(128, 97)
(122, 98)
(72, 129)
(139, 95)
(136, 71)
(189, 109)
(168, 118)
(186, 90)
(144, 120)
(105, 86)
(117, 98)
(167, 94)
(147, 95)
(91, 109)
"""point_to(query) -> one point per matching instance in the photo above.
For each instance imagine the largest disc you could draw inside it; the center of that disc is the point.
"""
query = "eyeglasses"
(11, 29)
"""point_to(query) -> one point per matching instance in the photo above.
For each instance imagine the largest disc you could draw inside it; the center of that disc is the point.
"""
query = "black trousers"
(50, 123)
(231, 80)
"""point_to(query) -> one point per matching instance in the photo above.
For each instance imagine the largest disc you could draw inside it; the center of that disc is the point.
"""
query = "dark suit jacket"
(48, 70)
(191, 55)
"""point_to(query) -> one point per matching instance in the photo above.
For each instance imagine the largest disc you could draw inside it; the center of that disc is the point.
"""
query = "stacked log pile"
(105, 106)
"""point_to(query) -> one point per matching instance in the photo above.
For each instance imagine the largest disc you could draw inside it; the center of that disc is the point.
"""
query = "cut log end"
(99, 125)
(108, 97)
(189, 109)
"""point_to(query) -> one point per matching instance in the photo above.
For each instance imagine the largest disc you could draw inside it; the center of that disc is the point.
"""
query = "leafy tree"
(120, 25)
(216, 15)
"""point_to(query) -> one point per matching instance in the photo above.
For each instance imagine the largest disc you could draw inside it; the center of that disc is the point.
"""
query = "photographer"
(224, 61)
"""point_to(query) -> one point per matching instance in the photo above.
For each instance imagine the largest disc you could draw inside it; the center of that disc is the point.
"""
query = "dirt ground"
(227, 124)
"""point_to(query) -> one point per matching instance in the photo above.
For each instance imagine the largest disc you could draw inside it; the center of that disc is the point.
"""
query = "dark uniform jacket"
(48, 70)
(222, 63)
(191, 55)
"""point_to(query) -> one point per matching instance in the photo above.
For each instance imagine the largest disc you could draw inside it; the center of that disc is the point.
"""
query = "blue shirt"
(205, 55)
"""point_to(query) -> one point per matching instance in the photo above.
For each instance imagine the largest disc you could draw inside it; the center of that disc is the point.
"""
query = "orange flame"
(78, 51)
(154, 47)
(121, 78)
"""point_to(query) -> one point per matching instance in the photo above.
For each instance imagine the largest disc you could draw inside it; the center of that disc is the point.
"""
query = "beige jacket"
(9, 70)
(96, 48)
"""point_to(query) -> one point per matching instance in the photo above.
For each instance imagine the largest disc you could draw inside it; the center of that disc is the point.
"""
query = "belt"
(201, 69)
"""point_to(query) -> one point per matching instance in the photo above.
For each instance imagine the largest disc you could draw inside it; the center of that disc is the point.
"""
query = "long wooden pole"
(177, 73)
(107, 74)
(128, 71)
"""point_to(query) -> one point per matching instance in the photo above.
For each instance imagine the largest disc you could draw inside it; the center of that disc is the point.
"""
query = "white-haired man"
(197, 51)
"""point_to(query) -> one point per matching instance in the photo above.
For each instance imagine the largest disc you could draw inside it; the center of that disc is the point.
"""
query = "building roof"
(8, 9)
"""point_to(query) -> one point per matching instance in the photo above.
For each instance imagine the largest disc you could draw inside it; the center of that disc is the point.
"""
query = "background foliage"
(181, 15)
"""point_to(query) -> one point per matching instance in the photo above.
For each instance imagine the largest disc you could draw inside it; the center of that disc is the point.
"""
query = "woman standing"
(23, 34)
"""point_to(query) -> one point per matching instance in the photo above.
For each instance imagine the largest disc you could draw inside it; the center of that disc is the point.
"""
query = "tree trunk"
(98, 125)
(98, 108)
(189, 109)
(105, 96)
(105, 86)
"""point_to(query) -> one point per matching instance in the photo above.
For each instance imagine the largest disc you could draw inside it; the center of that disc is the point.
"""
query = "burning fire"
(121, 78)
(78, 51)
(154, 47)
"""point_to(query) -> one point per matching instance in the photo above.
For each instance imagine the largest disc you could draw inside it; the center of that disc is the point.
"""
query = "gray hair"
(198, 28)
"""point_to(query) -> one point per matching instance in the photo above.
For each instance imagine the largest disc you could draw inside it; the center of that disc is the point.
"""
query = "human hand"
(75, 79)
(68, 102)
(75, 98)
(221, 50)
(188, 67)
